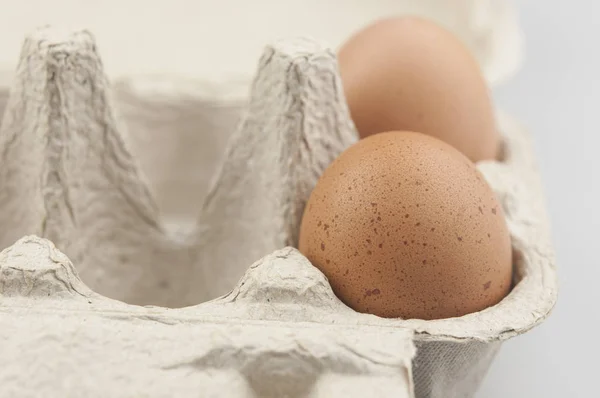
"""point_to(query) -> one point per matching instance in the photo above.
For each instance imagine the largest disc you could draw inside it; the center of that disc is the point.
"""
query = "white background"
(557, 94)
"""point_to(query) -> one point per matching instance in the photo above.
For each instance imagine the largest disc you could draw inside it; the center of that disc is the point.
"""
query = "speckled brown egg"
(408, 73)
(404, 225)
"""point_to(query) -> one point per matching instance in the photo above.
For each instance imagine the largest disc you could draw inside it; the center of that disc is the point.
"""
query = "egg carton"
(207, 40)
(69, 176)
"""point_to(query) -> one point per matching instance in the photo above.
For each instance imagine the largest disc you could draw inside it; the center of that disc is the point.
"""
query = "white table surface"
(555, 94)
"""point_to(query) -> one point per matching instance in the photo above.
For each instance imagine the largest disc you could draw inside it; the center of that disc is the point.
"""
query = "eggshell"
(410, 74)
(404, 225)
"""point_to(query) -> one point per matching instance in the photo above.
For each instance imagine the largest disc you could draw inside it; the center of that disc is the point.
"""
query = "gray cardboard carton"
(70, 175)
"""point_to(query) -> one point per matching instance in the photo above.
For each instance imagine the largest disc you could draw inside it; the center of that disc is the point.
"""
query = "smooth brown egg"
(404, 225)
(410, 74)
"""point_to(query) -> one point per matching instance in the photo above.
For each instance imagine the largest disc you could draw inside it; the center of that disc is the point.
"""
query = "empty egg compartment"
(87, 194)
(62, 339)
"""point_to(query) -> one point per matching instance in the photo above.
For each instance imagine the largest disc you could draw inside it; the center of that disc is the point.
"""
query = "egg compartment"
(69, 176)
(59, 338)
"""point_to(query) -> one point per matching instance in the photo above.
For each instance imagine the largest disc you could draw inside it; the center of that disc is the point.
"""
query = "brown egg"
(410, 74)
(404, 225)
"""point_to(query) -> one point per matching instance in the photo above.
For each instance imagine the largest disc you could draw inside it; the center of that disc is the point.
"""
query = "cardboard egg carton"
(69, 176)
(220, 42)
